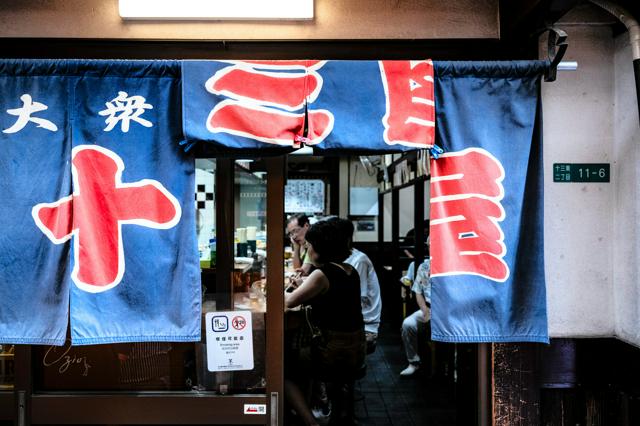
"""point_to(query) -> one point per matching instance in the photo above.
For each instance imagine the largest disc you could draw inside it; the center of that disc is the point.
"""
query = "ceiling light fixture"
(216, 9)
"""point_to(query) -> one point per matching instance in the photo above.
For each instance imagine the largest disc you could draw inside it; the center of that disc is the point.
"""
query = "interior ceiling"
(519, 20)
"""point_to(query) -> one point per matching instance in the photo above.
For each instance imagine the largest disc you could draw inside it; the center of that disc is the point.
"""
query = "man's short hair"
(300, 218)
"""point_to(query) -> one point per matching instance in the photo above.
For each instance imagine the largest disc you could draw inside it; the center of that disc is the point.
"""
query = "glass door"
(234, 375)
(231, 358)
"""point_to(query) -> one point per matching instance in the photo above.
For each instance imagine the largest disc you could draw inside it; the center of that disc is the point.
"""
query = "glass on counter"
(208, 252)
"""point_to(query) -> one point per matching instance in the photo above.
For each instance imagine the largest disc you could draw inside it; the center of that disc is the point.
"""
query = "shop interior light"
(216, 9)
(305, 150)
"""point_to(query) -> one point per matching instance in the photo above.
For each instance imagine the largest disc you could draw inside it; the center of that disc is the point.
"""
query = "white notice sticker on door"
(255, 409)
(229, 341)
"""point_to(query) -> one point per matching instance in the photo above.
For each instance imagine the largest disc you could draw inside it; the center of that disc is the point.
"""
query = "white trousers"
(412, 326)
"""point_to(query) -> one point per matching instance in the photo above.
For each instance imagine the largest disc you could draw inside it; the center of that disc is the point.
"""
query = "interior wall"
(343, 186)
(626, 137)
(359, 177)
(387, 217)
(205, 210)
(578, 128)
(334, 20)
(406, 211)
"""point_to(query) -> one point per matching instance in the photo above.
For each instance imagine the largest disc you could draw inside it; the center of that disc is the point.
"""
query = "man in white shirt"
(369, 288)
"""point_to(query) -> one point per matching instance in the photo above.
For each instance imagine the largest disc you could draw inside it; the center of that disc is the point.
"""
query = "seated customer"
(410, 238)
(369, 286)
(297, 227)
(416, 322)
(333, 292)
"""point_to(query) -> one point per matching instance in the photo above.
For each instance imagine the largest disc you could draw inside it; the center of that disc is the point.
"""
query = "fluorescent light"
(216, 9)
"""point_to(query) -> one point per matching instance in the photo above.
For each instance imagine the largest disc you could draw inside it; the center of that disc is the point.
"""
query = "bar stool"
(340, 387)
(357, 394)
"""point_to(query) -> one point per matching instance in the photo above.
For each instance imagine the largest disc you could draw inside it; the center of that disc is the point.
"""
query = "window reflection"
(122, 366)
(247, 277)
(205, 211)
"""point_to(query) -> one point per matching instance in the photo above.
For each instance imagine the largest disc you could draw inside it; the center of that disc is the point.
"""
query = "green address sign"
(581, 172)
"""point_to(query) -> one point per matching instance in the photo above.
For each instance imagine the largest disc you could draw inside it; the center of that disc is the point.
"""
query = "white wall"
(578, 128)
(591, 230)
(626, 138)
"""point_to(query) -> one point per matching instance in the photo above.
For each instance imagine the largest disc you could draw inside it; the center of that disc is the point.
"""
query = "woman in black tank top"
(333, 292)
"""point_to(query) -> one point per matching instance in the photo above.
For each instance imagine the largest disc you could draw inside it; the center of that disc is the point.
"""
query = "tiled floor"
(384, 398)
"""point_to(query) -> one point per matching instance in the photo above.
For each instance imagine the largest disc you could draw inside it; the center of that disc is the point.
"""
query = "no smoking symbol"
(238, 323)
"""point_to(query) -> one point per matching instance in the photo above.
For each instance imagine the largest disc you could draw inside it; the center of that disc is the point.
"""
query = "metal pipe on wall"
(634, 36)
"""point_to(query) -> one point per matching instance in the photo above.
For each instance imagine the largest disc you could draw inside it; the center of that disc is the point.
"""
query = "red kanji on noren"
(466, 208)
(266, 101)
(410, 115)
(94, 214)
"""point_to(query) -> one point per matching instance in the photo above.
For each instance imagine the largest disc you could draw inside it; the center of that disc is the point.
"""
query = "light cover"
(216, 9)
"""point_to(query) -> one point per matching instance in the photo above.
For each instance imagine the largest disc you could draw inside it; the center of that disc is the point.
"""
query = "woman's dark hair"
(345, 225)
(329, 241)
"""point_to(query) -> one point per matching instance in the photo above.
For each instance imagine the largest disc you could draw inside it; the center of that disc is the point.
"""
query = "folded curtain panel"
(487, 267)
(111, 223)
(332, 106)
(34, 167)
